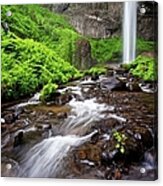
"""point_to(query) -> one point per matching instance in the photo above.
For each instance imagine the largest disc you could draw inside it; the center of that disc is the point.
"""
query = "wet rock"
(137, 136)
(117, 174)
(109, 124)
(82, 155)
(62, 115)
(109, 156)
(63, 99)
(90, 152)
(146, 136)
(112, 83)
(18, 140)
(88, 82)
(86, 162)
(148, 87)
(133, 86)
(43, 126)
(150, 159)
(9, 118)
(9, 167)
(3, 127)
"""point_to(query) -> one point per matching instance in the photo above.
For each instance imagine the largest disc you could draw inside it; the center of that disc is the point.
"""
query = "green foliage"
(48, 92)
(95, 71)
(28, 65)
(41, 25)
(110, 49)
(40, 47)
(105, 50)
(120, 141)
(143, 67)
(143, 45)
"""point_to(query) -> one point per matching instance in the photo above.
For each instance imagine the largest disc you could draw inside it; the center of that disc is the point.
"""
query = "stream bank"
(96, 129)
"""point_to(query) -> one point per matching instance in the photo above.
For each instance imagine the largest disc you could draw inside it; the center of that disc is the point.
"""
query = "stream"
(73, 136)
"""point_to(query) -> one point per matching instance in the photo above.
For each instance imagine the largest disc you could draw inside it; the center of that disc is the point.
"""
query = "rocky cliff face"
(102, 20)
(97, 20)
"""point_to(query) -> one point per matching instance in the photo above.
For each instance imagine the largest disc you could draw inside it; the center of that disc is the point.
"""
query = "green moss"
(48, 92)
(66, 44)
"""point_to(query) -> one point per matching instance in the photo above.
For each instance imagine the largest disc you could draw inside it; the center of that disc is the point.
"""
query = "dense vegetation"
(110, 49)
(143, 67)
(38, 50)
(28, 65)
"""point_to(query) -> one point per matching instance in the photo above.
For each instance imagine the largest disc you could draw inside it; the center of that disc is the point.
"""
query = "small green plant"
(48, 92)
(95, 71)
(120, 141)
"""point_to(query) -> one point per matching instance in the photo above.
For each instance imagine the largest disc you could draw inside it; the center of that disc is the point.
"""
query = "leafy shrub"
(28, 65)
(143, 67)
(41, 25)
(48, 92)
(105, 50)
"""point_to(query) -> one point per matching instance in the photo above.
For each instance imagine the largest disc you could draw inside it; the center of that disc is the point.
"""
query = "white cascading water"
(46, 159)
(129, 31)
(83, 114)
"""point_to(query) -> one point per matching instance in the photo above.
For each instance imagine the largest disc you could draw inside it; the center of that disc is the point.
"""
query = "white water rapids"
(46, 159)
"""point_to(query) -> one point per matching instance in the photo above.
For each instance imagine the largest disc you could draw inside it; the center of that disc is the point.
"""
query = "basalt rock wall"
(102, 20)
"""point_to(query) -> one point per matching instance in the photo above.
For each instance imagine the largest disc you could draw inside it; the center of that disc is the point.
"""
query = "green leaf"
(122, 149)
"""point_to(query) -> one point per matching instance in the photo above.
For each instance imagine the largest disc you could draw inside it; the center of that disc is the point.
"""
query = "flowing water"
(46, 159)
(50, 143)
(129, 31)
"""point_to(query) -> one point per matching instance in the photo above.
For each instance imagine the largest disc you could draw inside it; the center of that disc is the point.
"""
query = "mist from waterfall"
(129, 31)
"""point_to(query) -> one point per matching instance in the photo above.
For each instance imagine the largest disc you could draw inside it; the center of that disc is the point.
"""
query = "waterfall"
(129, 31)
